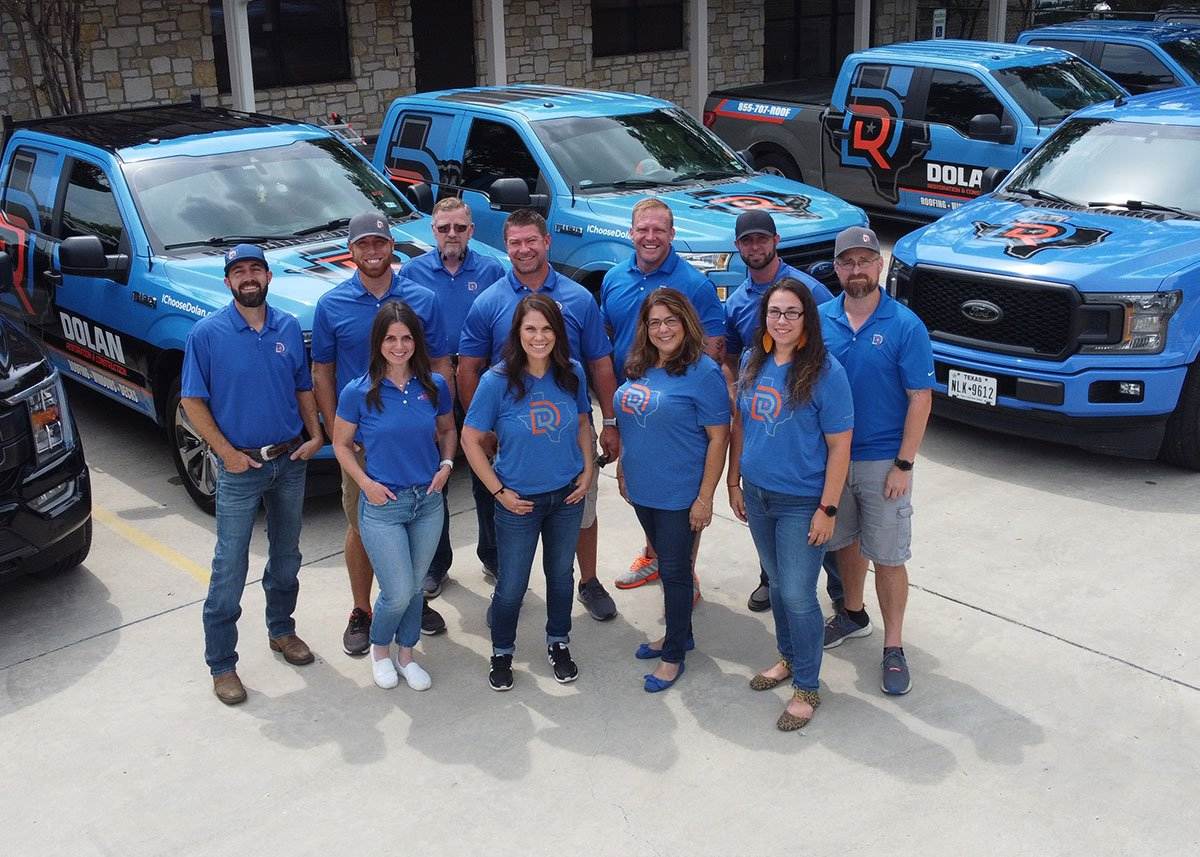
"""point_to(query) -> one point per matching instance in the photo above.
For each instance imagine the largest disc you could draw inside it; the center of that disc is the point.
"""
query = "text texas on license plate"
(971, 387)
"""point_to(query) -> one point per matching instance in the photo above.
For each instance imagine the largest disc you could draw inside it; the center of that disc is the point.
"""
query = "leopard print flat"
(790, 722)
(763, 682)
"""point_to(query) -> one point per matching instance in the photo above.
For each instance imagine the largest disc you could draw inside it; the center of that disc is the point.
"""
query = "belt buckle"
(265, 452)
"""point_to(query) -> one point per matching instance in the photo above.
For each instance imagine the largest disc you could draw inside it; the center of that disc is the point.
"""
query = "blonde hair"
(450, 203)
(652, 204)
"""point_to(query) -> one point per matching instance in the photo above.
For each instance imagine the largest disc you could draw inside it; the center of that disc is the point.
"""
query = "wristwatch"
(903, 465)
(610, 422)
(446, 462)
(830, 510)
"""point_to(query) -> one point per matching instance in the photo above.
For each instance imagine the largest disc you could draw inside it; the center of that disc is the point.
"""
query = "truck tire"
(194, 460)
(776, 164)
(74, 560)
(1181, 443)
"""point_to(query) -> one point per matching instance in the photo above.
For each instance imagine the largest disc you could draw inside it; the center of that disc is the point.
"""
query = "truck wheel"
(1181, 443)
(74, 560)
(775, 164)
(194, 459)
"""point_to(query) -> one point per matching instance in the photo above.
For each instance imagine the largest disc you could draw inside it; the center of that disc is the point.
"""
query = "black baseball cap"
(855, 236)
(369, 224)
(754, 223)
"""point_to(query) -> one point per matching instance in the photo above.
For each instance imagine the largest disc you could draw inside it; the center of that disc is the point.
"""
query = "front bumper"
(31, 540)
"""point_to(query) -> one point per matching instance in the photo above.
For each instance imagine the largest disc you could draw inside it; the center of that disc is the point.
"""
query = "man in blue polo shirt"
(247, 390)
(888, 359)
(757, 242)
(654, 264)
(340, 352)
(487, 327)
(456, 275)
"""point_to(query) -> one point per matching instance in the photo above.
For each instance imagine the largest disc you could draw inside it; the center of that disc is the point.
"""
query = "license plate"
(971, 387)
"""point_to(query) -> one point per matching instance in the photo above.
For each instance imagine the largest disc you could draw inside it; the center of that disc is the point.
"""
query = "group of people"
(813, 408)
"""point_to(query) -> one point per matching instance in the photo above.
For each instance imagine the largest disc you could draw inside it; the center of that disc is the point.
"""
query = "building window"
(292, 42)
(622, 27)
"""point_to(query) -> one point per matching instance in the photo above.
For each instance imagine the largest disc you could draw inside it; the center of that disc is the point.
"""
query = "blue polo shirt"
(663, 439)
(249, 378)
(741, 308)
(342, 324)
(455, 292)
(490, 319)
(783, 445)
(625, 288)
(885, 357)
(538, 436)
(400, 441)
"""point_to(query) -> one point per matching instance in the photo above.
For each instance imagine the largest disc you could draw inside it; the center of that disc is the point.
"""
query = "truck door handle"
(921, 145)
(54, 278)
(841, 133)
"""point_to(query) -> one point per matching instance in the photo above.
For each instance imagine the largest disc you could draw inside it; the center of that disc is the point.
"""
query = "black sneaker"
(501, 677)
(559, 657)
(596, 599)
(431, 621)
(357, 637)
(760, 599)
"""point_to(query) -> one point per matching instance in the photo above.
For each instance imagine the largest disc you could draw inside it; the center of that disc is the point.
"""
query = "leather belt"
(267, 453)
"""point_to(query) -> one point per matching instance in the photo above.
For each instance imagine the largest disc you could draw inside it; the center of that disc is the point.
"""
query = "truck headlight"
(706, 263)
(1145, 327)
(899, 278)
(50, 420)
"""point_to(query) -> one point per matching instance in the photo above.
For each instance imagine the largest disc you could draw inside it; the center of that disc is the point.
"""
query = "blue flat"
(654, 684)
(645, 653)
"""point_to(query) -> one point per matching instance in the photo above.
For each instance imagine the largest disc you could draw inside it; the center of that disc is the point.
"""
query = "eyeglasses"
(856, 264)
(670, 323)
(459, 228)
(775, 313)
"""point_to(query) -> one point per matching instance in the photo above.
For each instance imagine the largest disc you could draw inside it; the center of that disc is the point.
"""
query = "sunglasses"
(459, 228)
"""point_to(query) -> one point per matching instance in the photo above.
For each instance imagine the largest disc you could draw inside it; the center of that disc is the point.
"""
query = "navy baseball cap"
(754, 223)
(855, 236)
(369, 224)
(241, 252)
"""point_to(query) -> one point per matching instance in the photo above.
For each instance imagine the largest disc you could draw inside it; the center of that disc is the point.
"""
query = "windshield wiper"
(703, 175)
(226, 240)
(1142, 205)
(1044, 195)
(336, 223)
(624, 183)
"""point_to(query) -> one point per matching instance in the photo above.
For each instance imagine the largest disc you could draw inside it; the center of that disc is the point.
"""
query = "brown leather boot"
(295, 651)
(228, 688)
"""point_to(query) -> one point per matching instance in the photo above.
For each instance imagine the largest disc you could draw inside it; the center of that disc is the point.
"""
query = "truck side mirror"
(509, 194)
(82, 255)
(6, 272)
(984, 126)
(420, 195)
(992, 177)
(747, 158)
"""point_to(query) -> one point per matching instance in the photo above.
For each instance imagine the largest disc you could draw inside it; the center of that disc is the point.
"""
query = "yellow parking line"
(150, 544)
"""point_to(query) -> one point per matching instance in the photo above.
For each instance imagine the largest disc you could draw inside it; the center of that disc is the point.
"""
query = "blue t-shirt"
(400, 441)
(741, 307)
(663, 442)
(490, 318)
(455, 292)
(342, 324)
(626, 287)
(538, 436)
(783, 446)
(888, 355)
(249, 378)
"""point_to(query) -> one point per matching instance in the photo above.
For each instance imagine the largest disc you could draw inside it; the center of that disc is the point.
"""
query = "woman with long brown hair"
(403, 415)
(673, 412)
(788, 458)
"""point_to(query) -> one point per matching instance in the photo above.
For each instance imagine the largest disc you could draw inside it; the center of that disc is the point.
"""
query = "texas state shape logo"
(544, 418)
(766, 407)
(639, 401)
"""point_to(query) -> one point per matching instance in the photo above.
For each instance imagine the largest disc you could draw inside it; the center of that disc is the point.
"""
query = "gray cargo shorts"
(883, 527)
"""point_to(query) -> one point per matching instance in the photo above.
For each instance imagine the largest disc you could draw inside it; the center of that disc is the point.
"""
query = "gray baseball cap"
(855, 236)
(369, 224)
(753, 223)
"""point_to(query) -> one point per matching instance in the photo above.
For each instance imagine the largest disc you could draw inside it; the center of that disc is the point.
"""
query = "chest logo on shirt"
(766, 406)
(640, 401)
(472, 286)
(877, 339)
(280, 348)
(544, 418)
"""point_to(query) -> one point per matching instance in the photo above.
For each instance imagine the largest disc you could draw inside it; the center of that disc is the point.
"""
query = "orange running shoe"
(643, 570)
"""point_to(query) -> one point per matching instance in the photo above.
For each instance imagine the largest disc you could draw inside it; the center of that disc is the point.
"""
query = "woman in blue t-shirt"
(536, 402)
(673, 413)
(791, 449)
(402, 415)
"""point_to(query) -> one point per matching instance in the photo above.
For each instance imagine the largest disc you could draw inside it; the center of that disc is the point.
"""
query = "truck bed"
(816, 91)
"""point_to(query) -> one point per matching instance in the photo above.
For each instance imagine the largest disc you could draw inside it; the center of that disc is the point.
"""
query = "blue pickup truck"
(1065, 305)
(1142, 56)
(116, 224)
(909, 130)
(584, 159)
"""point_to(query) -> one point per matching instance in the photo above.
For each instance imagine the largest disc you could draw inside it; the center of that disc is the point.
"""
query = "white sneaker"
(384, 672)
(415, 675)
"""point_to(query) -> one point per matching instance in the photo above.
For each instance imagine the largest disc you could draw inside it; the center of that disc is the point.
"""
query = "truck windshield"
(278, 192)
(661, 147)
(1186, 52)
(1051, 93)
(1103, 162)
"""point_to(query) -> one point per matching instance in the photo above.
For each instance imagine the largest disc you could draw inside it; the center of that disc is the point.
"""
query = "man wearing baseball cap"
(340, 353)
(246, 389)
(886, 353)
(757, 241)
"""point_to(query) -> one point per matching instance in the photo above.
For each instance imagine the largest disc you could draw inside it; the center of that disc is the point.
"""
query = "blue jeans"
(670, 534)
(557, 523)
(400, 538)
(279, 484)
(443, 557)
(833, 578)
(485, 517)
(779, 525)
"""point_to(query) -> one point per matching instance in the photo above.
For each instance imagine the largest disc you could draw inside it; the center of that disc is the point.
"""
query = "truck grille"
(803, 258)
(1037, 319)
(14, 447)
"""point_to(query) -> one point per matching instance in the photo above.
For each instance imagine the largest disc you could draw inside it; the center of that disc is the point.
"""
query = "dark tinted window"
(885, 77)
(292, 42)
(496, 151)
(90, 209)
(1062, 44)
(1049, 93)
(954, 97)
(636, 26)
(1186, 52)
(29, 193)
(1135, 68)
(413, 130)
